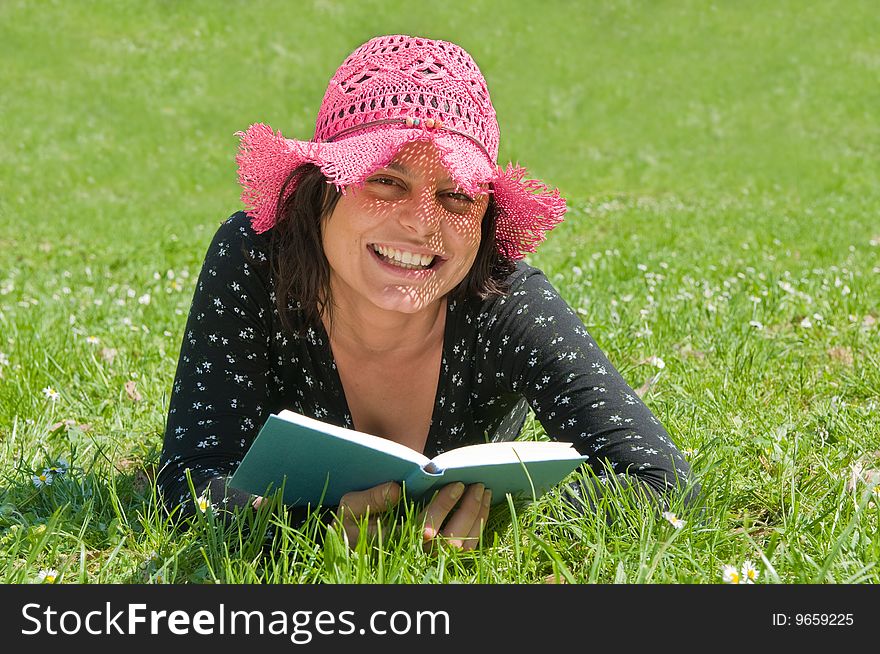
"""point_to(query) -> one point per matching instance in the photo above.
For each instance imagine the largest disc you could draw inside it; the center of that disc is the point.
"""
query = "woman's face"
(406, 238)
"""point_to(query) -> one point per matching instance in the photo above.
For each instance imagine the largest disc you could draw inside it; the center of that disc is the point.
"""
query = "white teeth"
(408, 259)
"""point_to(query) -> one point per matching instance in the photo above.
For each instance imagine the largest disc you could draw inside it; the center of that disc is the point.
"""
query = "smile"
(405, 260)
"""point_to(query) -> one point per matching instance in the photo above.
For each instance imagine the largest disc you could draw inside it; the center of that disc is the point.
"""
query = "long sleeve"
(221, 391)
(542, 350)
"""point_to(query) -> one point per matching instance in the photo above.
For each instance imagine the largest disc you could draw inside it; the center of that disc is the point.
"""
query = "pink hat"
(390, 91)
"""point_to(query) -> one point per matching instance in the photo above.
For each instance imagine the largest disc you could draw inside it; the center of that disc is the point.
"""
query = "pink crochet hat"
(390, 91)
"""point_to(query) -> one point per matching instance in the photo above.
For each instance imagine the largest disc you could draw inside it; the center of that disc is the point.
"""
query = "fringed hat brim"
(527, 209)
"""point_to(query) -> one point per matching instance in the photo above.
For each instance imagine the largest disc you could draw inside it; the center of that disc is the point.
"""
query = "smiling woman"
(376, 282)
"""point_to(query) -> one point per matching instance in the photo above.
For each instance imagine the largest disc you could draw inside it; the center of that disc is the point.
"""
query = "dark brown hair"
(302, 273)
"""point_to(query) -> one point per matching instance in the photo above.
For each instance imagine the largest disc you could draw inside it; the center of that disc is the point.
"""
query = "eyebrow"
(401, 168)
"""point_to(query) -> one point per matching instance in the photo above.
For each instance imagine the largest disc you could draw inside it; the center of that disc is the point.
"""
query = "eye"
(457, 202)
(460, 197)
(387, 188)
(384, 181)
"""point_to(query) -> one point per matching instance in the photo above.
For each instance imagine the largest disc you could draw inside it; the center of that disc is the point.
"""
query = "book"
(317, 463)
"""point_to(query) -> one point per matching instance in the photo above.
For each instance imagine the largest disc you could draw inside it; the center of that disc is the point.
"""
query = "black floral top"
(501, 356)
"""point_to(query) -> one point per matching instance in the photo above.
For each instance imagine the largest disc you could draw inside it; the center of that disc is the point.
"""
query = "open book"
(317, 463)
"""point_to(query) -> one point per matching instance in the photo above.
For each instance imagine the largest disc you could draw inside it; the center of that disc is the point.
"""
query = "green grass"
(721, 164)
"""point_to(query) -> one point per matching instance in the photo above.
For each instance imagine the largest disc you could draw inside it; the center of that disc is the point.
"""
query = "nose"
(422, 215)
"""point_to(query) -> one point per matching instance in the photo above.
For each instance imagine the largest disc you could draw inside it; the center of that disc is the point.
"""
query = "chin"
(406, 299)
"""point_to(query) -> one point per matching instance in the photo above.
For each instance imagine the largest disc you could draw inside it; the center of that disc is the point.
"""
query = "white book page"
(505, 452)
(374, 442)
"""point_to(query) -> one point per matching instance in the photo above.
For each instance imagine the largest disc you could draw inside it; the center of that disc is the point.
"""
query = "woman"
(377, 283)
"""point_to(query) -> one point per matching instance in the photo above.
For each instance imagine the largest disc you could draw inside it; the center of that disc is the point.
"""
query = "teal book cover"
(317, 463)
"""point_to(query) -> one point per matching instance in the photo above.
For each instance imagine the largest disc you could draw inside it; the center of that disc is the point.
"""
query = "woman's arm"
(543, 351)
(221, 391)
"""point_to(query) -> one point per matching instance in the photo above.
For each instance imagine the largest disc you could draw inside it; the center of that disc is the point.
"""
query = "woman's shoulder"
(524, 275)
(238, 228)
(235, 237)
(525, 284)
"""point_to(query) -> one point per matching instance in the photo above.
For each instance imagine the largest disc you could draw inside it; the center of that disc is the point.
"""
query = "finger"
(435, 513)
(462, 521)
(354, 528)
(351, 534)
(373, 527)
(377, 499)
(473, 537)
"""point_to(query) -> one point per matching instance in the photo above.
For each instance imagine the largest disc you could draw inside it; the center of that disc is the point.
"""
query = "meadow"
(722, 246)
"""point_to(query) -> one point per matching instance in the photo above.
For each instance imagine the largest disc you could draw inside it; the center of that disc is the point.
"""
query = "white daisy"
(749, 572)
(203, 504)
(43, 479)
(657, 361)
(59, 468)
(92, 340)
(51, 394)
(730, 575)
(48, 576)
(673, 519)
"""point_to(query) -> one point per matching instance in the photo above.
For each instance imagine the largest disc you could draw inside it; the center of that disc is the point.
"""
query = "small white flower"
(92, 340)
(203, 504)
(806, 323)
(43, 479)
(144, 299)
(58, 469)
(875, 495)
(749, 573)
(756, 324)
(48, 576)
(730, 575)
(51, 394)
(4, 360)
(673, 519)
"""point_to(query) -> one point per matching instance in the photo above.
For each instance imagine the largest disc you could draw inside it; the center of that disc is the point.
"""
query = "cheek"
(339, 231)
(336, 243)
(467, 229)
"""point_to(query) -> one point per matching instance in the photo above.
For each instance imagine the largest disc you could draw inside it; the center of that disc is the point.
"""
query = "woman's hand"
(371, 503)
(464, 520)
